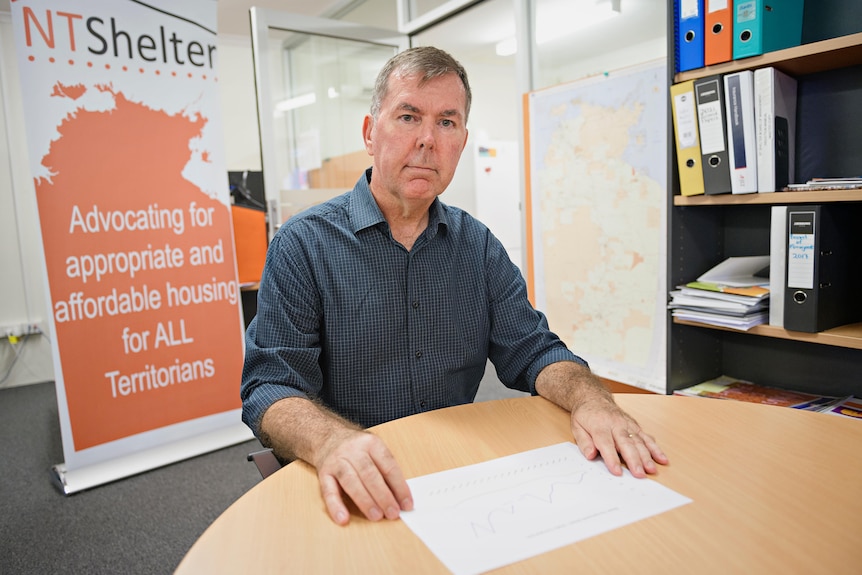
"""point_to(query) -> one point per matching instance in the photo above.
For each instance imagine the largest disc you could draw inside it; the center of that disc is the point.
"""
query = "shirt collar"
(365, 213)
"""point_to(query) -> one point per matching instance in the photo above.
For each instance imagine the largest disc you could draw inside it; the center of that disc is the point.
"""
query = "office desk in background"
(250, 242)
(248, 296)
(775, 490)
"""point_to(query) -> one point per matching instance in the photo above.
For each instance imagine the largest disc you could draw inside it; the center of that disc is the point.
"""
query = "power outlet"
(15, 331)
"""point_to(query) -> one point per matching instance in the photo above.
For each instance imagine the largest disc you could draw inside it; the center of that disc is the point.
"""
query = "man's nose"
(426, 137)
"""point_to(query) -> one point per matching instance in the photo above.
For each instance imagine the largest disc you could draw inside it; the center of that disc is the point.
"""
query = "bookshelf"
(849, 336)
(704, 230)
(777, 198)
(831, 54)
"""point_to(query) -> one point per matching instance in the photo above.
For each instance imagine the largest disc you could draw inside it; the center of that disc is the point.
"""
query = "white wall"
(22, 293)
(493, 116)
(609, 61)
(239, 103)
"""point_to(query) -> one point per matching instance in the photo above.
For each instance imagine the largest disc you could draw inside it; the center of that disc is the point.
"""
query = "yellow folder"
(687, 139)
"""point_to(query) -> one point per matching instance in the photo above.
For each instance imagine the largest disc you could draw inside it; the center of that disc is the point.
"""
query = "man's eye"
(447, 123)
(407, 118)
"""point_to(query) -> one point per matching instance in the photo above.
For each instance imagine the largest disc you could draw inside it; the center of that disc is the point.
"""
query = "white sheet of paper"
(481, 517)
(738, 271)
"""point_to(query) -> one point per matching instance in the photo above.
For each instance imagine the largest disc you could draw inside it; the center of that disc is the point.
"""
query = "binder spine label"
(736, 128)
(746, 11)
(688, 9)
(764, 113)
(800, 251)
(686, 120)
(716, 5)
(710, 113)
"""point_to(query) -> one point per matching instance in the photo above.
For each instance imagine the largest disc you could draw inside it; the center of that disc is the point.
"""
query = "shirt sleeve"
(283, 340)
(522, 344)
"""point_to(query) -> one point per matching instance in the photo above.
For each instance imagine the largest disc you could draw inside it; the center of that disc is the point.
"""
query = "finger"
(633, 452)
(646, 460)
(640, 452)
(655, 452)
(331, 493)
(584, 441)
(601, 444)
(606, 444)
(394, 478)
(372, 477)
(350, 479)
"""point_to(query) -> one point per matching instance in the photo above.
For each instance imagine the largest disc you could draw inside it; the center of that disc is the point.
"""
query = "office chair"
(266, 462)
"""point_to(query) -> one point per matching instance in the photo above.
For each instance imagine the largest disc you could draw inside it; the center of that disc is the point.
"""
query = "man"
(384, 302)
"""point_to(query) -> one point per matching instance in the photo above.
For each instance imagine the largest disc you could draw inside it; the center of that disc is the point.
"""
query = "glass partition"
(579, 38)
(324, 95)
(417, 15)
(314, 81)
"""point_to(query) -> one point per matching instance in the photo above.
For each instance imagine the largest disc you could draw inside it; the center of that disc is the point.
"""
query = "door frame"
(262, 20)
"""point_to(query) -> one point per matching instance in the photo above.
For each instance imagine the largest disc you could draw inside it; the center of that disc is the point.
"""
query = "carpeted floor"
(143, 524)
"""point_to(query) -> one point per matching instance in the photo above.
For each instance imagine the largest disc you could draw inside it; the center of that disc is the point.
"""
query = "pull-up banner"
(126, 151)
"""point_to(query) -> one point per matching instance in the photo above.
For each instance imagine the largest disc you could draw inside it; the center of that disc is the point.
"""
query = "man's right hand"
(359, 464)
(348, 460)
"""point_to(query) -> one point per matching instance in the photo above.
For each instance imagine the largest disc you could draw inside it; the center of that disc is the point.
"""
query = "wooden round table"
(774, 490)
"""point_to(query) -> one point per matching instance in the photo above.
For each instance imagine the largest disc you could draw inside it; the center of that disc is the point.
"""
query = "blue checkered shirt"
(348, 316)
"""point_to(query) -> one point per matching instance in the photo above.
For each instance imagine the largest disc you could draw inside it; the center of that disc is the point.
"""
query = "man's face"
(417, 139)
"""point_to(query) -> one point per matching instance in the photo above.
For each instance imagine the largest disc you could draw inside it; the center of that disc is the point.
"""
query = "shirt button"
(422, 404)
(418, 354)
(415, 305)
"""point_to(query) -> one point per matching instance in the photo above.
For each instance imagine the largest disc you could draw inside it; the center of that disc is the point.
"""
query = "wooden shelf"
(777, 198)
(849, 336)
(707, 228)
(830, 54)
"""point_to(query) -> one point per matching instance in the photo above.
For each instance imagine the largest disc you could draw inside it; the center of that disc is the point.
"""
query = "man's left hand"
(600, 427)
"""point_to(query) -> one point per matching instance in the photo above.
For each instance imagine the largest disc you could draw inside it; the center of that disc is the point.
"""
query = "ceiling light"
(507, 47)
(564, 18)
(559, 19)
(293, 103)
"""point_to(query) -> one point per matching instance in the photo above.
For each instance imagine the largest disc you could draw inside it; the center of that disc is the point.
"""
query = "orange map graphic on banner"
(141, 270)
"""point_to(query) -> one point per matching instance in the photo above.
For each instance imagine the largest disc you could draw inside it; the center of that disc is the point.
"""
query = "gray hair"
(425, 61)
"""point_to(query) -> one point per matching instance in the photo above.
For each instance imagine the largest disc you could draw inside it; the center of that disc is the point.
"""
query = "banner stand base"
(70, 481)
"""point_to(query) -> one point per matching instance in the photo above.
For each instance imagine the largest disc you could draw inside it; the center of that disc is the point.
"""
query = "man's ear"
(367, 130)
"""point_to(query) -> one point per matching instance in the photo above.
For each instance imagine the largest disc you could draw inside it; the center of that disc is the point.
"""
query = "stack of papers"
(848, 407)
(827, 184)
(734, 294)
(725, 387)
